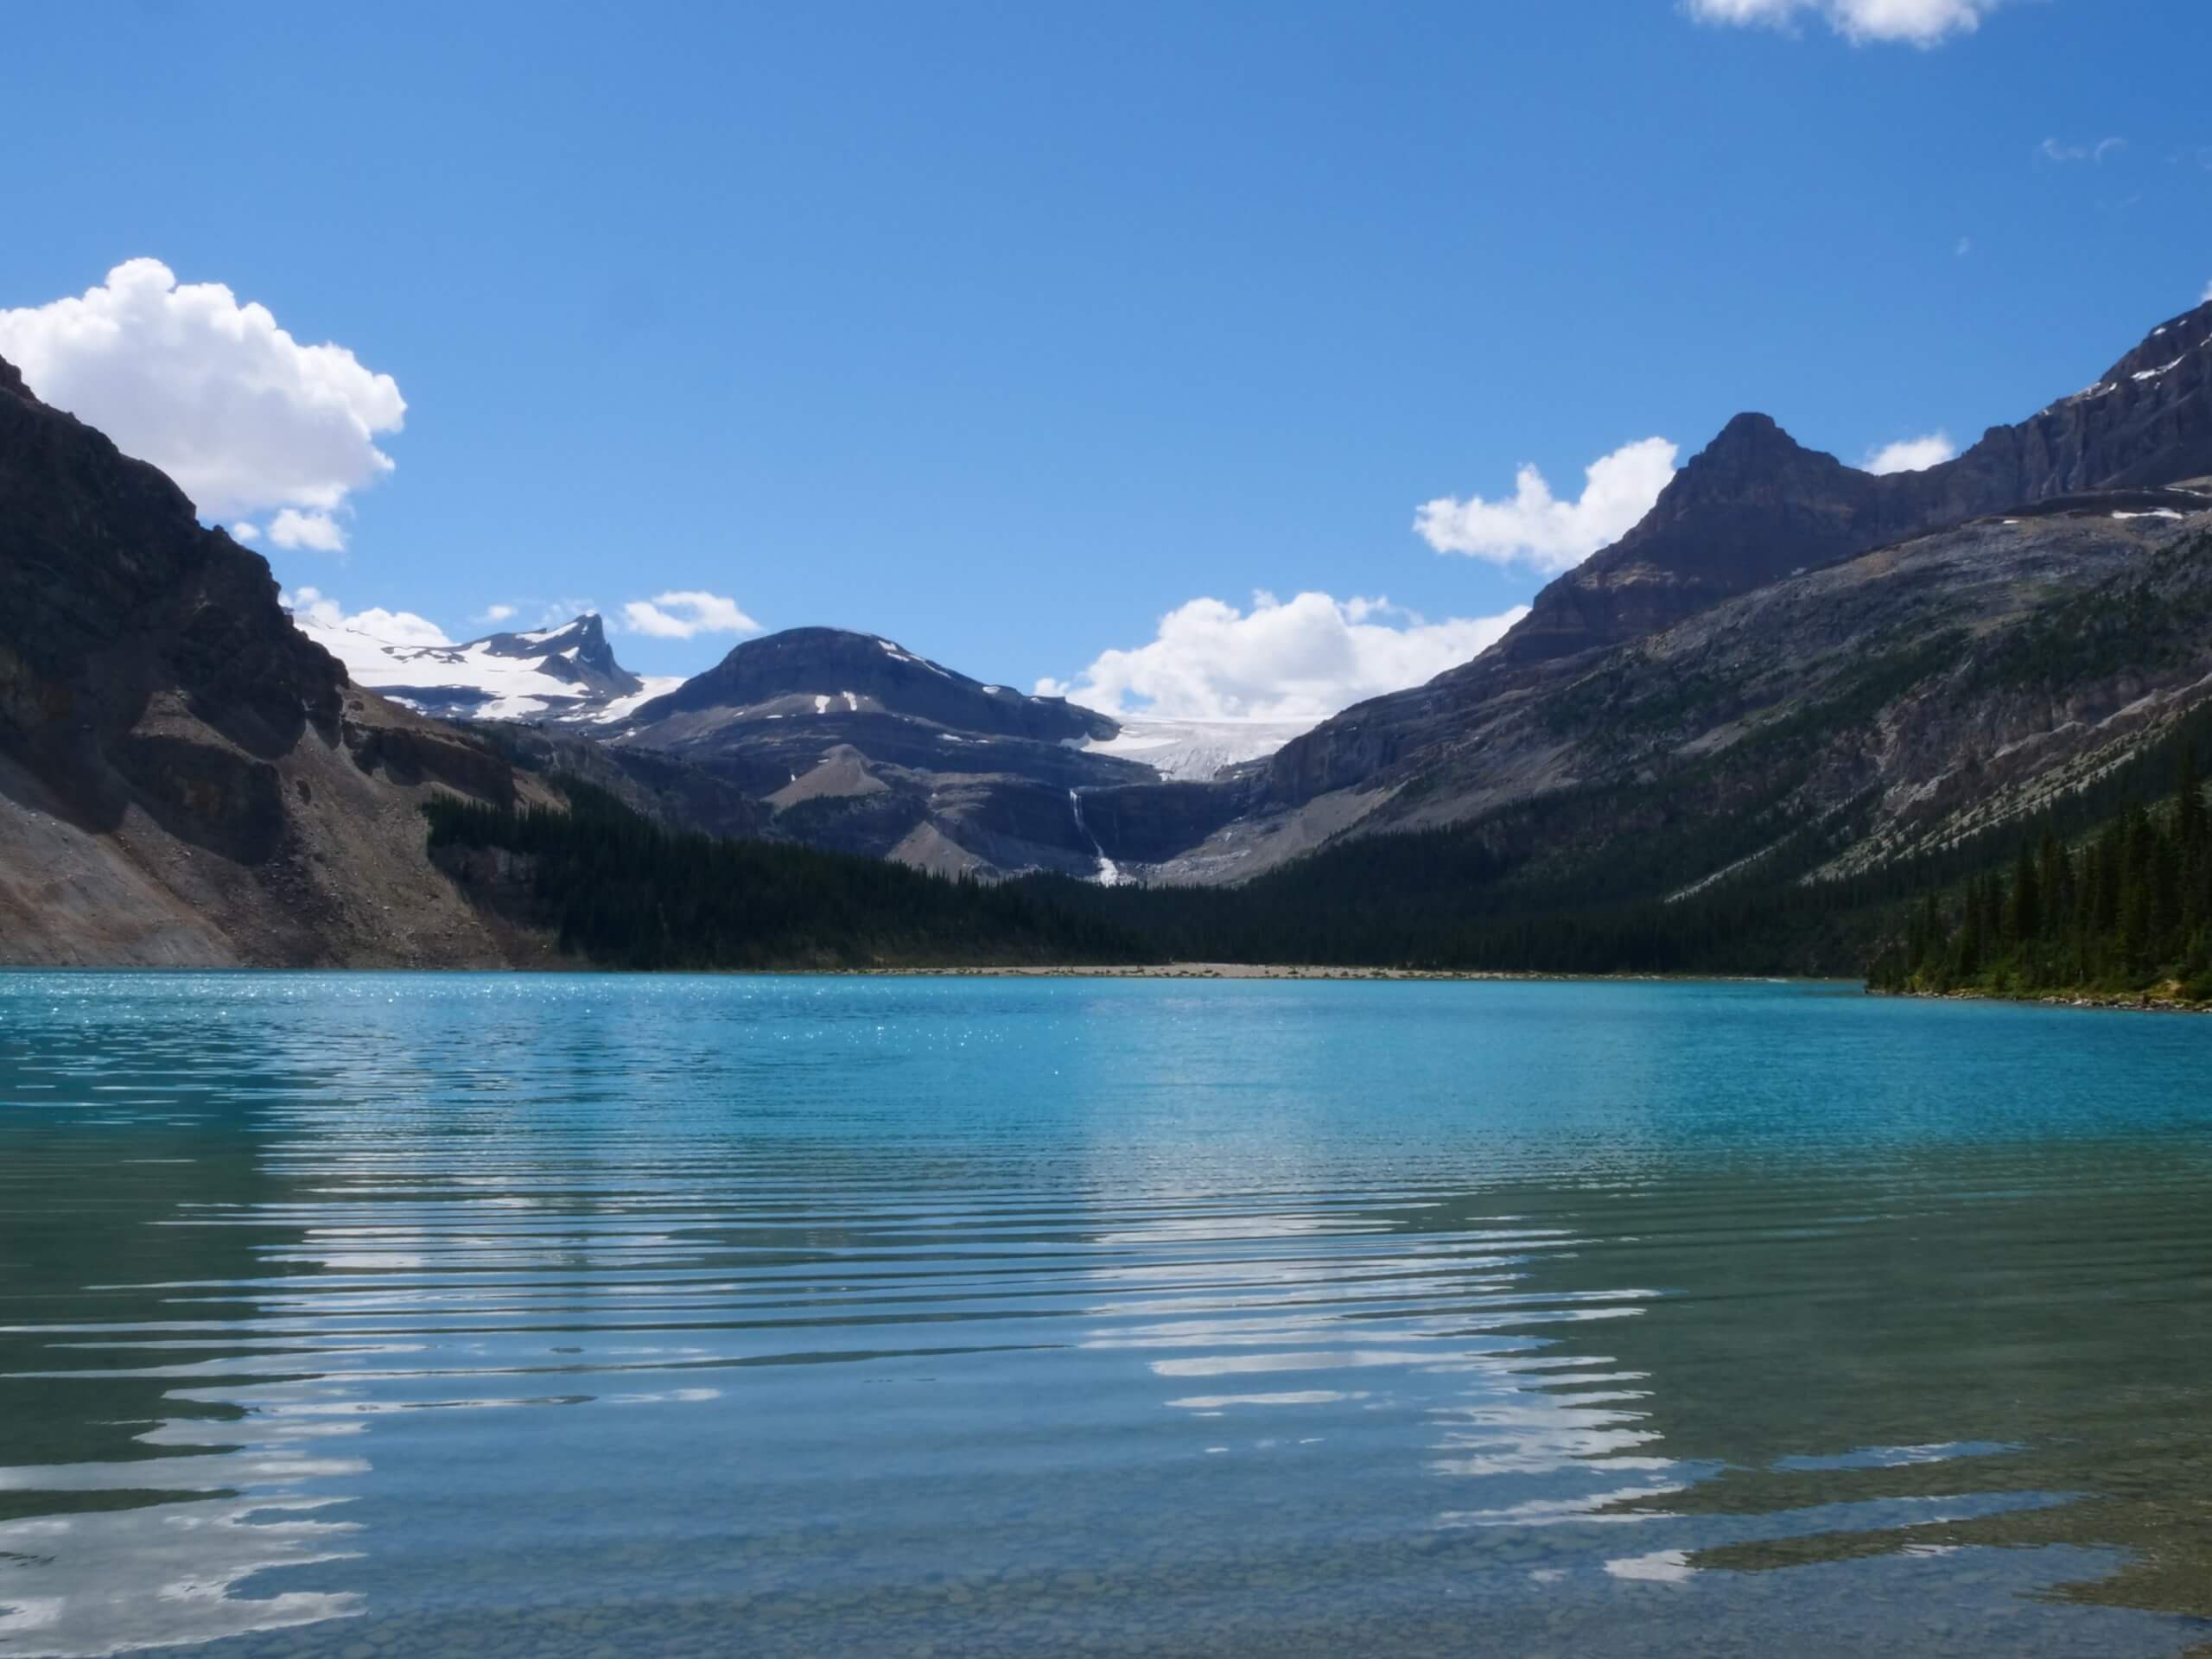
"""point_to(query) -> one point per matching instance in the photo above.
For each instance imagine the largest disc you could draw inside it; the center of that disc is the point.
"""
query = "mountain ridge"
(1755, 506)
(565, 674)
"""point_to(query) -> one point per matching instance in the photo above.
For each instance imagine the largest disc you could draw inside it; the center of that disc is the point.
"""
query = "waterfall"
(1109, 874)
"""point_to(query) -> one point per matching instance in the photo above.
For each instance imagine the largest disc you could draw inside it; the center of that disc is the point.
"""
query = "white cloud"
(1910, 454)
(1965, 247)
(390, 627)
(2208, 291)
(241, 531)
(1301, 659)
(316, 532)
(242, 416)
(1537, 528)
(682, 614)
(1922, 22)
(2052, 151)
(497, 613)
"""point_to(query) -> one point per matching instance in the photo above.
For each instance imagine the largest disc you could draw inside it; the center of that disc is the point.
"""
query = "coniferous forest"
(2126, 910)
(2107, 891)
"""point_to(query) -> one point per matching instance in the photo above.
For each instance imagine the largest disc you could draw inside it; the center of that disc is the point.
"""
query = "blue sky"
(1007, 331)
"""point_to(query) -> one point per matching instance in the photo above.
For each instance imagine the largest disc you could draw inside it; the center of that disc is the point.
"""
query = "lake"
(399, 1314)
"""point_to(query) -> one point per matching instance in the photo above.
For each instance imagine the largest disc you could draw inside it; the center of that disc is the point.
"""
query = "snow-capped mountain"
(567, 674)
(1196, 751)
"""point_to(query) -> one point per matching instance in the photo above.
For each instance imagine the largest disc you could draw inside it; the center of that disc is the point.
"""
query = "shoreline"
(1187, 971)
(2088, 1001)
(1290, 970)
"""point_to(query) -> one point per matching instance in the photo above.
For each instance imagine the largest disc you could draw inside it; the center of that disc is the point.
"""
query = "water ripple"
(430, 1314)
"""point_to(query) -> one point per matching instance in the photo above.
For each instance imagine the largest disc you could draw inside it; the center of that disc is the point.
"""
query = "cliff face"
(184, 778)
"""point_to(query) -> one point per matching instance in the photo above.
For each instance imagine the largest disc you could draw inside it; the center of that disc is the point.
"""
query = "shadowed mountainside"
(184, 778)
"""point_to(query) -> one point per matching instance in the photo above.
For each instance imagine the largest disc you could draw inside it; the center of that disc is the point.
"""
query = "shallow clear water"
(413, 1315)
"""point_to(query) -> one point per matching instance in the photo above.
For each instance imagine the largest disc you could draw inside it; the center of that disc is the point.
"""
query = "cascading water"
(1109, 874)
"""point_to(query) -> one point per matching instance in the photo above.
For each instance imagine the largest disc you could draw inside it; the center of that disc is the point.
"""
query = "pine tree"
(2134, 897)
(2024, 919)
(1970, 934)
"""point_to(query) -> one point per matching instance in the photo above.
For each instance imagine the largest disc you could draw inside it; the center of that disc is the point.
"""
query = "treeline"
(2127, 910)
(626, 892)
(2116, 902)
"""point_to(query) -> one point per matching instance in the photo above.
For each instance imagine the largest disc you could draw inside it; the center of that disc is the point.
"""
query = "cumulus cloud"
(1910, 454)
(317, 531)
(1921, 22)
(497, 613)
(1534, 527)
(683, 614)
(243, 531)
(243, 417)
(389, 628)
(2052, 151)
(1300, 658)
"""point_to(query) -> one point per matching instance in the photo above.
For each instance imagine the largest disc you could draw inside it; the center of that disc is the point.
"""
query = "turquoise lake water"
(371, 1314)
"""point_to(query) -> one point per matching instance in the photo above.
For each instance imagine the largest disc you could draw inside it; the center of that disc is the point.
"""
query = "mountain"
(1771, 785)
(1756, 505)
(1791, 693)
(1754, 510)
(859, 745)
(186, 779)
(830, 672)
(565, 674)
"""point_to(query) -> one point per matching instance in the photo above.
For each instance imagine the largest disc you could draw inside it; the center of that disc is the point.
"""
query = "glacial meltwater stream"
(424, 1315)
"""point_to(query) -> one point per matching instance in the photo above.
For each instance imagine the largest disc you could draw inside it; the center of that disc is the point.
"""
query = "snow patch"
(905, 656)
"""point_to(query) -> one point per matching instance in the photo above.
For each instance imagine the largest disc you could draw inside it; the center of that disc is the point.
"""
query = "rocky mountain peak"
(582, 640)
(2162, 349)
(1755, 504)
(863, 672)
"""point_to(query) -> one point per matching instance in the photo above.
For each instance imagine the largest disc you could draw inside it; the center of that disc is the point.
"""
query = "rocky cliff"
(184, 778)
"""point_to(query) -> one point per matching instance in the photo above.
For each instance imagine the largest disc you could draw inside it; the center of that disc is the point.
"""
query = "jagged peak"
(1750, 424)
(1750, 433)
